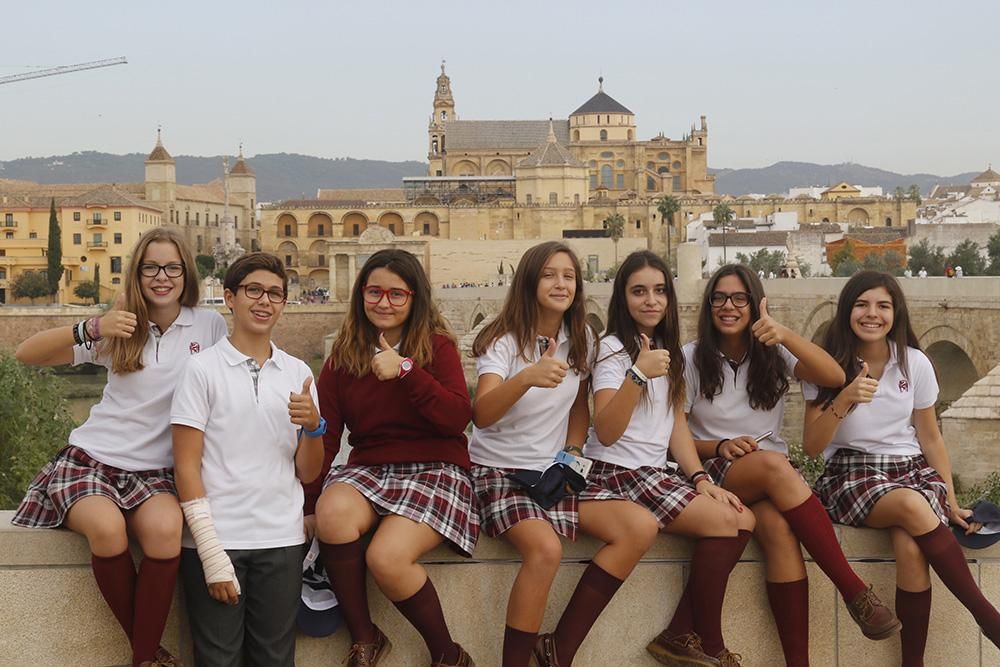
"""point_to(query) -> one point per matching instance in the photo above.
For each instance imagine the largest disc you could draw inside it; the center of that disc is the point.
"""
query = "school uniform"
(409, 453)
(527, 437)
(248, 471)
(124, 450)
(635, 467)
(875, 448)
(729, 414)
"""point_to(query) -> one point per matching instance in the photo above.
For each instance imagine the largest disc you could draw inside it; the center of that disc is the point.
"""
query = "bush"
(987, 490)
(34, 424)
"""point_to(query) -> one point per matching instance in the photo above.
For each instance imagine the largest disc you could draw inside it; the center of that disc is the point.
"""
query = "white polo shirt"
(130, 427)
(535, 427)
(885, 426)
(248, 462)
(729, 413)
(645, 440)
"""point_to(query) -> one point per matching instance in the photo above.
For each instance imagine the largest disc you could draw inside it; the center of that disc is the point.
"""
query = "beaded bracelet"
(636, 376)
(698, 476)
(76, 334)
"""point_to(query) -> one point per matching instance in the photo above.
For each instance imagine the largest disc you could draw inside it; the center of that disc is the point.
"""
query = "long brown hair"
(767, 377)
(126, 353)
(666, 332)
(352, 351)
(519, 315)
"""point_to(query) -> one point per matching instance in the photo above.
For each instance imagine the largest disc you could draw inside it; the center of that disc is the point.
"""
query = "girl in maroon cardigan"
(394, 379)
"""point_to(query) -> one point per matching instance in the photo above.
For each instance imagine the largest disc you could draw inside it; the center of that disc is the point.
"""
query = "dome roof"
(601, 102)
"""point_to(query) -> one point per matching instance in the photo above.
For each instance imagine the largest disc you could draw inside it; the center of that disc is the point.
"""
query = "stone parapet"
(51, 611)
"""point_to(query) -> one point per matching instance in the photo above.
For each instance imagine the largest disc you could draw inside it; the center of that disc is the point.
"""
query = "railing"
(97, 244)
(9, 223)
(96, 221)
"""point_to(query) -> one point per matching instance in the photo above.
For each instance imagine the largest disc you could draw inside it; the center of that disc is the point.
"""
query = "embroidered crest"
(904, 385)
(194, 347)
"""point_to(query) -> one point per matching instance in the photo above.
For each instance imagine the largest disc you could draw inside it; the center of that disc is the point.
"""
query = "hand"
(714, 492)
(118, 322)
(548, 372)
(385, 364)
(301, 408)
(862, 388)
(958, 515)
(652, 363)
(736, 447)
(224, 592)
(768, 330)
(309, 526)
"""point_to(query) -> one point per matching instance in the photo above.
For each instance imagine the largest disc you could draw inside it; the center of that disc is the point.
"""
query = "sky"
(905, 86)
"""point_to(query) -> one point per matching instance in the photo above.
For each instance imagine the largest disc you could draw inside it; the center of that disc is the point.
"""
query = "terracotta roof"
(359, 194)
(753, 239)
(988, 176)
(241, 168)
(105, 195)
(493, 134)
(980, 401)
(209, 193)
(843, 186)
(551, 154)
(601, 102)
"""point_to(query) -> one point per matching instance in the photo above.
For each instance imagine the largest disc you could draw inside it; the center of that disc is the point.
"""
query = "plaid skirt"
(854, 481)
(718, 467)
(504, 504)
(72, 474)
(662, 491)
(436, 494)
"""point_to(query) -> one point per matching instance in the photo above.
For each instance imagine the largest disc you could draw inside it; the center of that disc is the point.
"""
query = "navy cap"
(318, 622)
(988, 514)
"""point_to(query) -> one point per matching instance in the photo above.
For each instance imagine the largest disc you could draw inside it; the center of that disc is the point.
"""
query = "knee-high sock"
(517, 646)
(592, 595)
(790, 608)
(811, 524)
(346, 568)
(423, 611)
(941, 550)
(154, 592)
(711, 563)
(115, 577)
(914, 611)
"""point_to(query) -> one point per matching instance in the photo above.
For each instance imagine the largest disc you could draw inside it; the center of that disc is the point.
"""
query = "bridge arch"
(818, 321)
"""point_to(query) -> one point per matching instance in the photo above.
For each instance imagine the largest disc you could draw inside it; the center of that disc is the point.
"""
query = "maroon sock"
(592, 595)
(941, 550)
(811, 524)
(423, 611)
(517, 646)
(115, 577)
(790, 608)
(711, 563)
(914, 611)
(683, 621)
(154, 592)
(346, 568)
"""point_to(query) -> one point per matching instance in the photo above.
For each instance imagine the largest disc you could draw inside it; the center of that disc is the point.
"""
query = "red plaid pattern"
(437, 494)
(854, 481)
(661, 491)
(717, 467)
(72, 474)
(504, 504)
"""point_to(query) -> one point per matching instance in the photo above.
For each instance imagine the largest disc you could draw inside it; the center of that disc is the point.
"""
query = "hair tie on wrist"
(700, 475)
(719, 445)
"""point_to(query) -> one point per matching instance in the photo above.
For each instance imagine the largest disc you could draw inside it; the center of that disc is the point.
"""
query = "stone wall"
(52, 612)
(948, 236)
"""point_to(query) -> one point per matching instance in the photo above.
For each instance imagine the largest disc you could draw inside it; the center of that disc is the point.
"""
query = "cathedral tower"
(444, 111)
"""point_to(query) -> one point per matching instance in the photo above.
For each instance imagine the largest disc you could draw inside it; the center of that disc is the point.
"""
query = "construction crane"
(65, 69)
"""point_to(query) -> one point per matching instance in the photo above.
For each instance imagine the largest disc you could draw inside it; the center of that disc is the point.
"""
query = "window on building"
(593, 181)
(638, 224)
(888, 222)
(236, 220)
(357, 229)
(606, 175)
(437, 172)
(620, 181)
(8, 218)
(97, 217)
(288, 260)
(116, 281)
(77, 239)
(3, 252)
(576, 199)
(676, 165)
(427, 229)
(288, 230)
(527, 199)
(620, 164)
(116, 265)
(663, 170)
(604, 135)
(76, 216)
(3, 274)
(8, 235)
(118, 238)
(607, 155)
(118, 216)
(171, 215)
(187, 216)
(216, 218)
(444, 115)
(553, 198)
(98, 239)
(197, 218)
(200, 243)
(32, 235)
(321, 229)
(322, 260)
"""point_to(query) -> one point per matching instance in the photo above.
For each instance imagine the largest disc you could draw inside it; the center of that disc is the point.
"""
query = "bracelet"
(320, 430)
(574, 450)
(642, 376)
(93, 329)
(700, 475)
(636, 377)
(717, 446)
(76, 334)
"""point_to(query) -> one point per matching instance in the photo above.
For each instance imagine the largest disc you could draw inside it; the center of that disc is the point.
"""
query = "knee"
(639, 530)
(914, 512)
(333, 518)
(544, 554)
(906, 550)
(384, 560)
(164, 531)
(777, 471)
(745, 520)
(107, 536)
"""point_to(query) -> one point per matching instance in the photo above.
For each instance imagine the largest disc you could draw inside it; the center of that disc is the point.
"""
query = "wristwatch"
(320, 430)
(405, 366)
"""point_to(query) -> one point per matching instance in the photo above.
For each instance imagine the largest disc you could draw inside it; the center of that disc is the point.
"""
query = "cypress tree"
(55, 267)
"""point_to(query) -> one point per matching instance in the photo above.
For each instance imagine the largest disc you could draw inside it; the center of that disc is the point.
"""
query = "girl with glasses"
(115, 477)
(736, 378)
(638, 395)
(394, 379)
(887, 465)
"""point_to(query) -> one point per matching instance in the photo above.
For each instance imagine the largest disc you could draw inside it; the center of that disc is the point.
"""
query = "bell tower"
(444, 111)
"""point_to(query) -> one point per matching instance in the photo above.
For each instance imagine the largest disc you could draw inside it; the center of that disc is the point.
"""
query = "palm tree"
(614, 226)
(667, 206)
(723, 215)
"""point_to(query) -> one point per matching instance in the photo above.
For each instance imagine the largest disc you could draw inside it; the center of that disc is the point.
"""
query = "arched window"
(434, 145)
(576, 135)
(663, 157)
(650, 184)
(888, 222)
(606, 175)
(553, 198)
(604, 135)
(444, 115)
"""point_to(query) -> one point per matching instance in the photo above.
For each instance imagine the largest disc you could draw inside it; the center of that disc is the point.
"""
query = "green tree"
(993, 251)
(614, 225)
(768, 261)
(966, 255)
(86, 290)
(913, 192)
(205, 264)
(723, 215)
(30, 285)
(925, 256)
(97, 284)
(667, 206)
(34, 423)
(900, 193)
(844, 262)
(55, 267)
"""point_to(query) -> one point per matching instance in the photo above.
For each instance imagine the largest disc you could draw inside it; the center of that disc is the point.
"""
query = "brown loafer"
(369, 654)
(873, 617)
(162, 658)
(464, 660)
(544, 653)
(680, 650)
(728, 659)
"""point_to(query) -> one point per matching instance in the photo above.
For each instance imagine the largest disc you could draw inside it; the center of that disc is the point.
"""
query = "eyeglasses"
(739, 299)
(255, 291)
(153, 270)
(397, 297)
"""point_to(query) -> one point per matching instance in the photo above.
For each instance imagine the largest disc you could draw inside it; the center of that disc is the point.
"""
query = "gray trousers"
(260, 629)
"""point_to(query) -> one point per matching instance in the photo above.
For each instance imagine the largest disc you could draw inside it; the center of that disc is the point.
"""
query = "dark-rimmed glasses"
(255, 291)
(397, 297)
(739, 299)
(153, 270)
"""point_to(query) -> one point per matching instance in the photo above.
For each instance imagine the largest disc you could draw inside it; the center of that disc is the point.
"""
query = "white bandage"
(215, 561)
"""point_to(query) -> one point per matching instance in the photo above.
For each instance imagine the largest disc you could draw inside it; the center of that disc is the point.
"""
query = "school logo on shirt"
(194, 347)
(904, 385)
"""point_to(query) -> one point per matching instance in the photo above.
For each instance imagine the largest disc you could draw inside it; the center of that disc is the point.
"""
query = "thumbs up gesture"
(652, 363)
(548, 372)
(118, 322)
(385, 364)
(766, 329)
(301, 408)
(862, 388)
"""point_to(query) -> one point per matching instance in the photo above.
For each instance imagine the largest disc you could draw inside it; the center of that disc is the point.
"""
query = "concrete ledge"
(51, 611)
